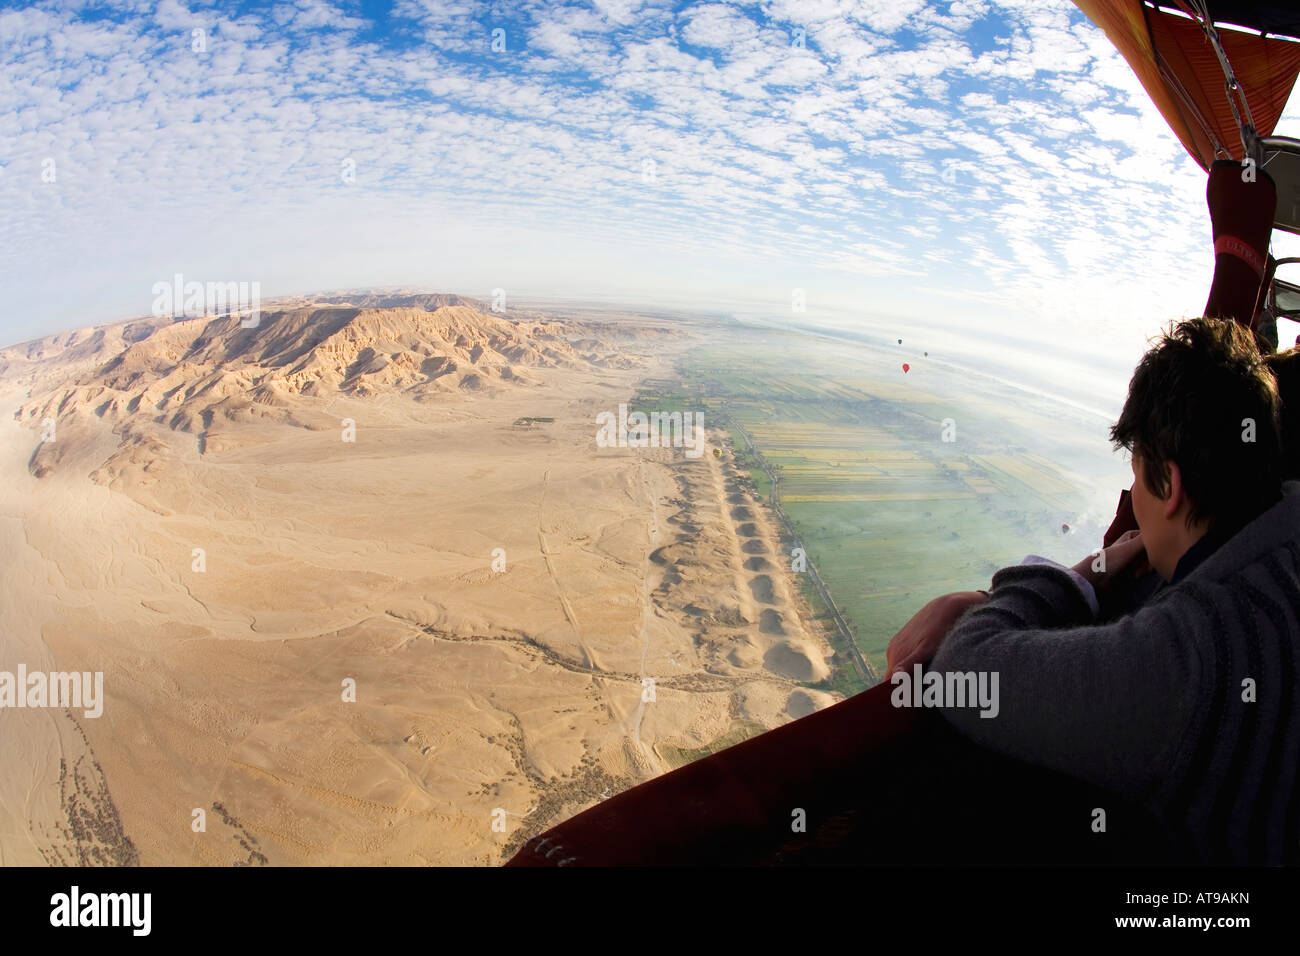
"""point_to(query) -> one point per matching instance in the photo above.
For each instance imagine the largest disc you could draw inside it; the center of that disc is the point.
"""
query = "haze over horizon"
(986, 165)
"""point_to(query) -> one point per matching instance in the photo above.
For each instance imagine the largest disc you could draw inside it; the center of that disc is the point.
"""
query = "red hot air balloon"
(1167, 49)
(1065, 529)
(906, 367)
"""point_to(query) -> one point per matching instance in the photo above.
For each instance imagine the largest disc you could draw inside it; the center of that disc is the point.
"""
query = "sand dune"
(232, 523)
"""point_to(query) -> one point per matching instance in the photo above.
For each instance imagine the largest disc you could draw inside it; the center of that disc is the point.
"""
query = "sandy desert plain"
(202, 531)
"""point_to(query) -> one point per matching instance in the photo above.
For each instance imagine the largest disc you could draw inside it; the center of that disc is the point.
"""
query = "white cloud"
(900, 145)
(173, 15)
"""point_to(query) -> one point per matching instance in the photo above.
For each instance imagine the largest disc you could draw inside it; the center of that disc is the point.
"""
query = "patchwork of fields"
(899, 488)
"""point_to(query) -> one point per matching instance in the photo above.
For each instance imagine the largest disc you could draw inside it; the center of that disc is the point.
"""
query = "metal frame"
(1290, 287)
(1288, 197)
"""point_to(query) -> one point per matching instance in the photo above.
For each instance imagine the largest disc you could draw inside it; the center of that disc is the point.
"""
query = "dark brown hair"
(1188, 403)
(1286, 369)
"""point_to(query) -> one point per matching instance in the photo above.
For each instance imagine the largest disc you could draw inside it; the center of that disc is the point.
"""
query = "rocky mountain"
(187, 374)
(178, 371)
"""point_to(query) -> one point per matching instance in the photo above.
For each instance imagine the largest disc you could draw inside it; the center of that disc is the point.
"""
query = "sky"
(981, 165)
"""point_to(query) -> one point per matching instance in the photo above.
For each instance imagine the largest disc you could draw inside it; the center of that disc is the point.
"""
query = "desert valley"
(364, 587)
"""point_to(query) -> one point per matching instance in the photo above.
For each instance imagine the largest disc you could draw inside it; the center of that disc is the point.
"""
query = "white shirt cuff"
(1085, 587)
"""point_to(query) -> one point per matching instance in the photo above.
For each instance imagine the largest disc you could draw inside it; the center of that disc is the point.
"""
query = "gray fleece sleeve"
(1107, 703)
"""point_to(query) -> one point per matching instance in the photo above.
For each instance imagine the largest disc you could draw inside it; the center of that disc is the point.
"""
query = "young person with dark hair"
(1190, 704)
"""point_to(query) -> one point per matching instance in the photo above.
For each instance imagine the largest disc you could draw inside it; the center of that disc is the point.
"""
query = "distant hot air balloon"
(926, 354)
(1065, 529)
(906, 367)
(900, 341)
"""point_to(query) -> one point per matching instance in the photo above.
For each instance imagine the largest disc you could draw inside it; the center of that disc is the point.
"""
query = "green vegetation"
(843, 679)
(890, 514)
(751, 463)
(666, 398)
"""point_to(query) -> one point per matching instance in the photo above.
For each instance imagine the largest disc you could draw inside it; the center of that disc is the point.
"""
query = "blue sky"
(988, 165)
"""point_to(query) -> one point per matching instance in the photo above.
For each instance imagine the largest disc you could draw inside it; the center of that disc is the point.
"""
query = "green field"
(889, 512)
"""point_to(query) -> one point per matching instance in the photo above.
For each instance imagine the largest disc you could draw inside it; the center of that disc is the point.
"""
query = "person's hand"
(1127, 548)
(920, 637)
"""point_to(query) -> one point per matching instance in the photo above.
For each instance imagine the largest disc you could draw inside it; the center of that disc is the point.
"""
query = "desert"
(364, 588)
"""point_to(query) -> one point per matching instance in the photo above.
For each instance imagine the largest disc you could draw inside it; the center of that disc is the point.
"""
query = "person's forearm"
(1108, 703)
(1082, 581)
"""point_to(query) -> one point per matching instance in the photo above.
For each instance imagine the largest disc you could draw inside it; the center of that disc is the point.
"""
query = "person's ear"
(1174, 479)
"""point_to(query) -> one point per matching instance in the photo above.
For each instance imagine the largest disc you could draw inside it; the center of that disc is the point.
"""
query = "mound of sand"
(805, 701)
(499, 591)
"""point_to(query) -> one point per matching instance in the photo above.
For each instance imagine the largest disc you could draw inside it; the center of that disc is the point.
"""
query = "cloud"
(998, 150)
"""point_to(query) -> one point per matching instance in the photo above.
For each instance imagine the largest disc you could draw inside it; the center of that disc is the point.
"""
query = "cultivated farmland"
(900, 487)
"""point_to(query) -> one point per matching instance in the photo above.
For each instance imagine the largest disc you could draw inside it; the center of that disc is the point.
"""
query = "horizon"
(983, 165)
(1039, 377)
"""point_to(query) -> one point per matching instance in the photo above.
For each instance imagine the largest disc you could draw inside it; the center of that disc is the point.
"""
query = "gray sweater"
(1188, 705)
